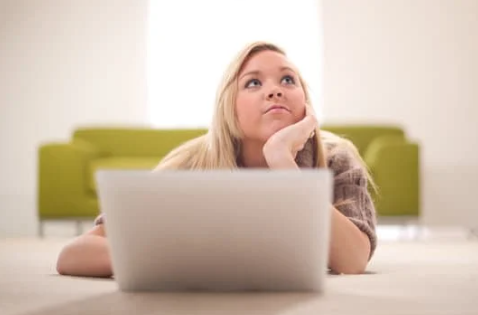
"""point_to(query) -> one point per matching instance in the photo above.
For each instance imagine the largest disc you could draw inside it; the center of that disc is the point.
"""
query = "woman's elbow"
(351, 265)
(64, 261)
(355, 268)
(87, 256)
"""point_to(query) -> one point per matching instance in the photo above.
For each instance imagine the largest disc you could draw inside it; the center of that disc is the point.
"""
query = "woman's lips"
(277, 109)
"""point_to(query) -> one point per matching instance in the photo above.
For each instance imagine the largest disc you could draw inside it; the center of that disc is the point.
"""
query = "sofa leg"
(40, 229)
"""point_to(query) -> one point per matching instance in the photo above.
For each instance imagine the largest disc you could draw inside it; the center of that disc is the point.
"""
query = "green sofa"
(67, 190)
(66, 183)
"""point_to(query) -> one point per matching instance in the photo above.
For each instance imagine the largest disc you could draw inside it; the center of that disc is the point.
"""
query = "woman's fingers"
(310, 112)
(311, 120)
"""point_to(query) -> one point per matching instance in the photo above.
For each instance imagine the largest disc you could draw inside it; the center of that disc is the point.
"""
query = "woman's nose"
(277, 94)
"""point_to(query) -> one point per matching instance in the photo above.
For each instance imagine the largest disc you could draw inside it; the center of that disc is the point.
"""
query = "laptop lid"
(217, 230)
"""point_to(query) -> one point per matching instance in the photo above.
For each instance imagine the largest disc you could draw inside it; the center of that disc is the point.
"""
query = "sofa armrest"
(395, 166)
(62, 176)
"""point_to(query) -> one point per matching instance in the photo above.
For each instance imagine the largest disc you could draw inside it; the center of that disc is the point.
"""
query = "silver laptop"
(248, 230)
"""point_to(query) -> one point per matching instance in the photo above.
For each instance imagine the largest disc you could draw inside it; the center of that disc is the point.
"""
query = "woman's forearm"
(349, 247)
(87, 255)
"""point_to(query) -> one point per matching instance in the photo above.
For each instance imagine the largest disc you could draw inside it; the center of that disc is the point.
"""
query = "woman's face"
(269, 96)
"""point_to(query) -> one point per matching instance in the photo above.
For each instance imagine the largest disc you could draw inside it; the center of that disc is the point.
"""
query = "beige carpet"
(423, 277)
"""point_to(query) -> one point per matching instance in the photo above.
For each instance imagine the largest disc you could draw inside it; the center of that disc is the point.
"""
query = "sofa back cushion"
(362, 135)
(136, 142)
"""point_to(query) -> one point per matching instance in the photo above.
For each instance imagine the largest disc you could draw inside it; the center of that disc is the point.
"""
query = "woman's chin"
(275, 127)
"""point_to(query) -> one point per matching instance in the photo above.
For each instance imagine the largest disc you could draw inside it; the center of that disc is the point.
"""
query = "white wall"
(170, 56)
(414, 62)
(62, 64)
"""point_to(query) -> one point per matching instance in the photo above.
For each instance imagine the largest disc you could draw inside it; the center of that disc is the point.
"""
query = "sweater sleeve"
(351, 195)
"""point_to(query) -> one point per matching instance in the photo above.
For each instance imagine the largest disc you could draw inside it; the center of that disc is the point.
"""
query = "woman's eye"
(288, 79)
(253, 82)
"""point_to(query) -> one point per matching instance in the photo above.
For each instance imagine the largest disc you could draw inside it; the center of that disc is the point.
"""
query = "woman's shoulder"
(344, 160)
(341, 153)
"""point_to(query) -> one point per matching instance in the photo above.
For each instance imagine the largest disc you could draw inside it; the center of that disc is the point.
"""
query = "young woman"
(263, 119)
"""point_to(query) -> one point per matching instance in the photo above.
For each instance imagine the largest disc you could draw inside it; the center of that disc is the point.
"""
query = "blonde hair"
(219, 147)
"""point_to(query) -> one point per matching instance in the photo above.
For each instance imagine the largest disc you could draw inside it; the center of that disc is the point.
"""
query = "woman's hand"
(282, 147)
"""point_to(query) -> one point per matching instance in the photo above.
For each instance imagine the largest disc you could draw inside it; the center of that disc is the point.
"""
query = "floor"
(414, 271)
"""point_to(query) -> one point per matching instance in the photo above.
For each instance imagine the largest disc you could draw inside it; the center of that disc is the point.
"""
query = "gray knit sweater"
(350, 184)
(351, 195)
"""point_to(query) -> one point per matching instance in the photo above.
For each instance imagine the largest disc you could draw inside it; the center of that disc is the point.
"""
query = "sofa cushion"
(127, 163)
(135, 141)
(362, 135)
